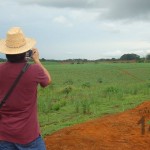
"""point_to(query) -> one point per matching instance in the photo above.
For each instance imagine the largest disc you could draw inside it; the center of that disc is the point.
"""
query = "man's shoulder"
(35, 66)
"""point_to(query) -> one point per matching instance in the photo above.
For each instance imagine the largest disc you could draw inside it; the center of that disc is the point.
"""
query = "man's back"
(18, 117)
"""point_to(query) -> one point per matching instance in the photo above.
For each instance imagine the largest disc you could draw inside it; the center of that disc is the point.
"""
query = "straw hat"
(16, 42)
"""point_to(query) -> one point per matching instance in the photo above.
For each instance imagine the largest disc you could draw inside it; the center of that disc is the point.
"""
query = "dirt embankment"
(129, 130)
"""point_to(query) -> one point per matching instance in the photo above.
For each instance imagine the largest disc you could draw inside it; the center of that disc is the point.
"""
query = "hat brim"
(6, 50)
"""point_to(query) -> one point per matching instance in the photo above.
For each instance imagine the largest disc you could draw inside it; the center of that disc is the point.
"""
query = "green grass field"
(81, 92)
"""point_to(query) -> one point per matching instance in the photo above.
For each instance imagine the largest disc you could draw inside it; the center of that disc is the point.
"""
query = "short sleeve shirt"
(18, 116)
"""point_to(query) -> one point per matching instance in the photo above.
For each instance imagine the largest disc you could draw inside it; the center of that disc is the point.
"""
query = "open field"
(82, 92)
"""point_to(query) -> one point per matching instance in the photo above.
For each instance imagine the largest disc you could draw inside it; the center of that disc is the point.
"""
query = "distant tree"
(148, 57)
(130, 57)
(43, 59)
(113, 59)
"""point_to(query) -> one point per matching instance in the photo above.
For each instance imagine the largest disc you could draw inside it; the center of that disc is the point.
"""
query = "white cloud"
(83, 28)
(62, 20)
(81, 16)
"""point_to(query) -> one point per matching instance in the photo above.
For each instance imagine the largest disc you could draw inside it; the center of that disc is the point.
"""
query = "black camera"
(29, 54)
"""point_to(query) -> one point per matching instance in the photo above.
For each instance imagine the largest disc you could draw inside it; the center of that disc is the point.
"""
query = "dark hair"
(14, 58)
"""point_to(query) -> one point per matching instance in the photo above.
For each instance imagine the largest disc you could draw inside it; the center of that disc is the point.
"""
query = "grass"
(81, 92)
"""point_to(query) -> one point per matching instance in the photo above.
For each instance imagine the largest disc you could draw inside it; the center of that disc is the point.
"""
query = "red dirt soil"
(113, 132)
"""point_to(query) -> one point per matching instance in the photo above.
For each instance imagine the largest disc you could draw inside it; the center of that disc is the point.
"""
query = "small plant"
(86, 85)
(68, 89)
(112, 90)
(99, 80)
(62, 102)
(56, 107)
(85, 107)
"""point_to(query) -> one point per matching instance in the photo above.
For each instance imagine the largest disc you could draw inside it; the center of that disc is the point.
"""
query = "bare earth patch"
(129, 130)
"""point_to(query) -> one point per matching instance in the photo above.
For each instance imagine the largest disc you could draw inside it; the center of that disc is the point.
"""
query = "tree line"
(124, 58)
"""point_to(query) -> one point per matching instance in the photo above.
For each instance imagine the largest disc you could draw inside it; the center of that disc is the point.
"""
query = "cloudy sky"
(90, 29)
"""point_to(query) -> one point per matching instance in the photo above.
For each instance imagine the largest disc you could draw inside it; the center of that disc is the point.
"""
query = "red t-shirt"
(18, 116)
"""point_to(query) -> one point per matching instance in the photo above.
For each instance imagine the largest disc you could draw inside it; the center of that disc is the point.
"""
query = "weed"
(56, 107)
(86, 85)
(112, 90)
(68, 89)
(85, 107)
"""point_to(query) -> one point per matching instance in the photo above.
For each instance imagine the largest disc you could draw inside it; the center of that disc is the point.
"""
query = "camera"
(29, 54)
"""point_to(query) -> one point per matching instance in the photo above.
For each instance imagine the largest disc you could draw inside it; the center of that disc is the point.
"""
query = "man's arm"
(36, 60)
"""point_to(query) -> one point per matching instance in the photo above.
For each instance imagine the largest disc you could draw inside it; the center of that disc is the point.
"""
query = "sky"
(86, 29)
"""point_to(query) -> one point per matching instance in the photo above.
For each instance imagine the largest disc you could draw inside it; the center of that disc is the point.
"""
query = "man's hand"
(35, 55)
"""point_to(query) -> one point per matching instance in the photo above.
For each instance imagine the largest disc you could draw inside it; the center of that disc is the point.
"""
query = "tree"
(130, 57)
(148, 57)
(43, 59)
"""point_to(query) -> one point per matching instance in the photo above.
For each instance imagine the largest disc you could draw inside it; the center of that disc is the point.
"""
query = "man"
(19, 127)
